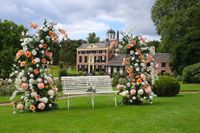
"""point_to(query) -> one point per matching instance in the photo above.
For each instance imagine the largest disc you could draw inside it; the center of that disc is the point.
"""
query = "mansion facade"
(92, 57)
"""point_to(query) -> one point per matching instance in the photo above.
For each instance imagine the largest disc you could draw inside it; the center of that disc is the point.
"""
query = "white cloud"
(81, 17)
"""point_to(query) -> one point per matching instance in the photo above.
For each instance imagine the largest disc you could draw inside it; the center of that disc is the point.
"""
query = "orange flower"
(51, 33)
(139, 81)
(44, 46)
(128, 46)
(28, 54)
(19, 53)
(33, 61)
(23, 63)
(33, 25)
(37, 97)
(32, 107)
(55, 38)
(127, 61)
(132, 83)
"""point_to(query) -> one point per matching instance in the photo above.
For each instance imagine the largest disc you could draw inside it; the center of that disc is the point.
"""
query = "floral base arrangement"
(140, 71)
(30, 71)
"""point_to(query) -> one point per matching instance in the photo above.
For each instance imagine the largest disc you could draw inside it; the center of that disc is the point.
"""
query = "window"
(163, 64)
(85, 59)
(80, 59)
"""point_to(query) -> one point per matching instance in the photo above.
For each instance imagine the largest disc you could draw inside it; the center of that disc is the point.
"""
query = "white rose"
(31, 75)
(34, 52)
(124, 93)
(39, 80)
(51, 93)
(133, 97)
(44, 100)
(42, 52)
(30, 69)
(41, 41)
(140, 91)
(40, 45)
(128, 84)
(24, 79)
(33, 94)
(151, 97)
(131, 52)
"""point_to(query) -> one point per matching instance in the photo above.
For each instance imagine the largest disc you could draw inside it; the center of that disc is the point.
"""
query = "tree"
(68, 51)
(177, 22)
(92, 38)
(155, 44)
(10, 34)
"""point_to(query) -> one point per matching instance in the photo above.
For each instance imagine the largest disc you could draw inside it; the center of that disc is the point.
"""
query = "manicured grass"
(4, 99)
(190, 86)
(168, 114)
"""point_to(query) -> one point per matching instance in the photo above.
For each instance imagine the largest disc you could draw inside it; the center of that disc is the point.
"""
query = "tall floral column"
(140, 71)
(32, 80)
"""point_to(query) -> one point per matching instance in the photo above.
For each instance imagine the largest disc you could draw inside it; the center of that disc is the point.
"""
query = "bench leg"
(92, 100)
(115, 99)
(67, 102)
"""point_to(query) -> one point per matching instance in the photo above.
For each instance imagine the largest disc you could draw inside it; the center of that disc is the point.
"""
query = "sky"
(80, 17)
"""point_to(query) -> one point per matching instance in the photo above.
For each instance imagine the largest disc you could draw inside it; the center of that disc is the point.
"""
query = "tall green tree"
(10, 34)
(177, 22)
(68, 51)
(92, 38)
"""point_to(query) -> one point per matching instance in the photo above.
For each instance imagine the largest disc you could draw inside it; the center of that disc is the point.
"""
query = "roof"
(92, 45)
(116, 60)
(110, 31)
(162, 57)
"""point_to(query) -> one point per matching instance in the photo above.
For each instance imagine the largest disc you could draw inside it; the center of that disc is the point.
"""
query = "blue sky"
(79, 17)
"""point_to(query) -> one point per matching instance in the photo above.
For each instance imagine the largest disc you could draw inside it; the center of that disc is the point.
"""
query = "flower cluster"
(31, 70)
(139, 70)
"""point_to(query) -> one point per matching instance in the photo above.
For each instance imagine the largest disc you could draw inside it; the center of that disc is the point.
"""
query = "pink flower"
(41, 106)
(40, 85)
(20, 106)
(36, 71)
(133, 91)
(24, 86)
(43, 61)
(148, 89)
(37, 97)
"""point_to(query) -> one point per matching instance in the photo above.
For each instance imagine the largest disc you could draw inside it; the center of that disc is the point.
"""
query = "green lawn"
(167, 114)
(190, 86)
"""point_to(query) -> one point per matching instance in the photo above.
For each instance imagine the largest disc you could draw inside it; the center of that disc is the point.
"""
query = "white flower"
(124, 93)
(48, 37)
(34, 52)
(140, 91)
(9, 80)
(41, 41)
(40, 45)
(133, 58)
(128, 84)
(24, 79)
(133, 97)
(22, 44)
(37, 60)
(39, 80)
(31, 80)
(31, 75)
(51, 93)
(137, 69)
(16, 72)
(50, 105)
(131, 52)
(37, 65)
(136, 53)
(42, 52)
(151, 97)
(33, 94)
(45, 29)
(44, 100)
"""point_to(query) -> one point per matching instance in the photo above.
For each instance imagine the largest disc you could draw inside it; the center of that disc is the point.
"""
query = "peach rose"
(20, 106)
(32, 107)
(28, 54)
(40, 85)
(24, 86)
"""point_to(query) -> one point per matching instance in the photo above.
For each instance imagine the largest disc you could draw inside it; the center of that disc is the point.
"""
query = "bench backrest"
(80, 83)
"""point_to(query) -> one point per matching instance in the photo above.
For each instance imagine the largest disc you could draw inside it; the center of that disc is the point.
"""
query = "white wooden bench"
(78, 85)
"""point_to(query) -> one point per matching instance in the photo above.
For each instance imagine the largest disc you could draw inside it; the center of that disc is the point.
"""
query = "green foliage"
(10, 34)
(92, 38)
(115, 79)
(166, 86)
(61, 64)
(177, 22)
(191, 73)
(154, 43)
(63, 72)
(6, 90)
(99, 73)
(68, 51)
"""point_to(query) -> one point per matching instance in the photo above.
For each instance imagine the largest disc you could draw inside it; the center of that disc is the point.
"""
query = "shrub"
(115, 79)
(63, 72)
(191, 73)
(6, 90)
(61, 64)
(166, 86)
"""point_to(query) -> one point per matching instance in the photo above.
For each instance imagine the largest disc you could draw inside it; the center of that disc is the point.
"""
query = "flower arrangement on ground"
(30, 71)
(140, 71)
